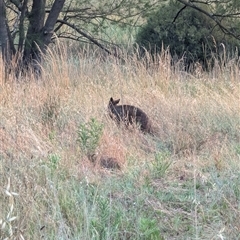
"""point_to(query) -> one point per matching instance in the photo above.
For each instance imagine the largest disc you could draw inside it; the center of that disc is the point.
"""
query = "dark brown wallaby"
(128, 114)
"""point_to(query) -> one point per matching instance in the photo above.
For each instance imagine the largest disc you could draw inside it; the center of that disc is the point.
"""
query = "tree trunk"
(50, 23)
(4, 41)
(39, 36)
(33, 40)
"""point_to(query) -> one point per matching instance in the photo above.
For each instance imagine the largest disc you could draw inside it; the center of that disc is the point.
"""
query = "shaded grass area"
(182, 183)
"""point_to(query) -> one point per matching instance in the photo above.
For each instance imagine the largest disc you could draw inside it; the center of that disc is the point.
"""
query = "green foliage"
(54, 160)
(188, 34)
(111, 22)
(89, 135)
(161, 165)
(149, 229)
(99, 224)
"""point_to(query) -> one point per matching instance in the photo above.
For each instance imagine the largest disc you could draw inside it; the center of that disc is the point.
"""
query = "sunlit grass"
(182, 183)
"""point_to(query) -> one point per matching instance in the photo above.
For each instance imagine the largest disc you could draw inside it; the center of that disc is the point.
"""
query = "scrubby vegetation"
(188, 33)
(182, 184)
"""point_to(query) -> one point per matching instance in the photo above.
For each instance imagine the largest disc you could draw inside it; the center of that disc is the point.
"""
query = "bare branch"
(75, 10)
(21, 25)
(178, 13)
(91, 39)
(17, 3)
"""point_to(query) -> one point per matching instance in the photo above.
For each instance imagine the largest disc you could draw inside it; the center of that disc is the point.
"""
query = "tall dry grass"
(196, 116)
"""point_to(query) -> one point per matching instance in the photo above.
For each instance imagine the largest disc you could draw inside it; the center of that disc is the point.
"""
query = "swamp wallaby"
(129, 115)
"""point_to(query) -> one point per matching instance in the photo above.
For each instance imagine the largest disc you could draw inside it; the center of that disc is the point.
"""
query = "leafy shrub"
(187, 33)
(89, 135)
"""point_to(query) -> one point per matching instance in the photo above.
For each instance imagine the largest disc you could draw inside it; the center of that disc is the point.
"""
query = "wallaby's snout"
(129, 115)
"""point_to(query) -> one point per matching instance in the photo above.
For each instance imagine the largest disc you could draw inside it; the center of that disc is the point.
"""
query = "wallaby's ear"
(114, 102)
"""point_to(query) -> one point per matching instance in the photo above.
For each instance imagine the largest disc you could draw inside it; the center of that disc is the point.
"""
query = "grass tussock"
(69, 172)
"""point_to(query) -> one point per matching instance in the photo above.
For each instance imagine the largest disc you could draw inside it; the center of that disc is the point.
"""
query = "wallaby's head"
(113, 102)
(129, 115)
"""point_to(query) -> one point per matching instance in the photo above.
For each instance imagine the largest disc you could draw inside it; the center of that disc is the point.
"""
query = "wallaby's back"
(129, 114)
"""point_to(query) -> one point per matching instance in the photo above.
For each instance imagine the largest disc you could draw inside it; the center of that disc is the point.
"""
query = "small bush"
(89, 135)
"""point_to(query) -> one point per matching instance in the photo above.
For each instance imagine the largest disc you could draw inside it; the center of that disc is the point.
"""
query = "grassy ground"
(183, 183)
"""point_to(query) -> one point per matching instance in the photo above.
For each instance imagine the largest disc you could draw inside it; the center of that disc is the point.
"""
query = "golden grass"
(196, 116)
(73, 90)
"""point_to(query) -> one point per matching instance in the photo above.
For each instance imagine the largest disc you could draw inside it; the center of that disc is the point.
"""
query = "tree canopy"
(189, 32)
(223, 13)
